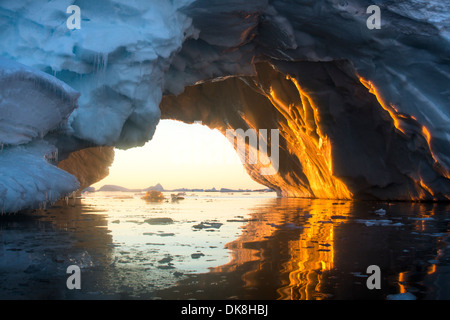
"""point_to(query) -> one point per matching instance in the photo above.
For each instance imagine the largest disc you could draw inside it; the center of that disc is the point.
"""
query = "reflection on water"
(226, 246)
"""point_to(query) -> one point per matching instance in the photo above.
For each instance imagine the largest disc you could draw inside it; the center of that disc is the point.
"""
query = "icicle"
(98, 63)
(105, 61)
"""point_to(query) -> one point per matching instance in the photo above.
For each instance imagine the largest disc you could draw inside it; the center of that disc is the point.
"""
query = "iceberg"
(362, 114)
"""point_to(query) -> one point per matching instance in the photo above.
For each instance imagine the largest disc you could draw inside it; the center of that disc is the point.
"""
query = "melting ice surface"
(127, 55)
(32, 103)
(226, 246)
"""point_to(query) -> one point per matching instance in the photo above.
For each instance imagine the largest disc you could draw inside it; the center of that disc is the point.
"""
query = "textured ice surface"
(31, 103)
(28, 180)
(116, 60)
(128, 54)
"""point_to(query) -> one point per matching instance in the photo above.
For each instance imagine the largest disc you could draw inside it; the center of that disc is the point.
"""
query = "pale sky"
(180, 156)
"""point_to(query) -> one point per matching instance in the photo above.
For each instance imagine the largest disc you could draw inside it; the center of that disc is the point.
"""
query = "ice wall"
(129, 55)
(117, 59)
(32, 104)
(336, 140)
(407, 59)
(29, 181)
(403, 66)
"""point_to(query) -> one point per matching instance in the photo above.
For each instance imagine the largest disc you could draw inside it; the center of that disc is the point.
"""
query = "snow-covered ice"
(103, 84)
(117, 59)
(29, 181)
(32, 103)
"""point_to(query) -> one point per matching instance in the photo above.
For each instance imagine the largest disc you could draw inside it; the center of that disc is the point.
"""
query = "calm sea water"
(226, 246)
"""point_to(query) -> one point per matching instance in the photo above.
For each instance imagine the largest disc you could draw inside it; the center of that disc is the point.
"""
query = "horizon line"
(173, 189)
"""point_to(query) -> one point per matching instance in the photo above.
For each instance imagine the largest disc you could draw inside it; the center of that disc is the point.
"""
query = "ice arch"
(325, 113)
(363, 113)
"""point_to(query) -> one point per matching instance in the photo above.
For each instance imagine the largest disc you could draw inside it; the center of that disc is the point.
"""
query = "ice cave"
(362, 113)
